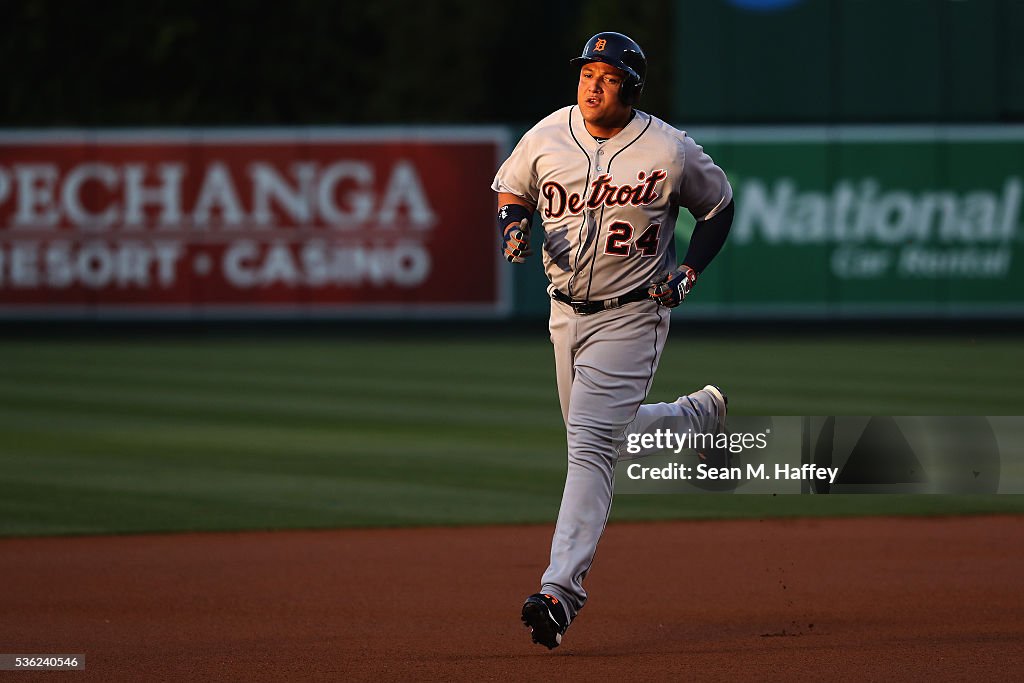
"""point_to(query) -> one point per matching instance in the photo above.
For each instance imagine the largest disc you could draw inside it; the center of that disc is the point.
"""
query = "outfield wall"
(831, 222)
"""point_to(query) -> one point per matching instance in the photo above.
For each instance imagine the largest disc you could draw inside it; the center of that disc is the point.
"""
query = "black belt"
(584, 307)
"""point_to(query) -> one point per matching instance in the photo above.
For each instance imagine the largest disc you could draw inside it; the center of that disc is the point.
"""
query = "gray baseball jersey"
(609, 208)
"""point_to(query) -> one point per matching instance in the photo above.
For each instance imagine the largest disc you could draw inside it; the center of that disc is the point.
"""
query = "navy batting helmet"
(623, 53)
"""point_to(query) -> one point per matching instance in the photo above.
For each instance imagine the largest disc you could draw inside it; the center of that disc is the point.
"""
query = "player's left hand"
(517, 241)
(673, 290)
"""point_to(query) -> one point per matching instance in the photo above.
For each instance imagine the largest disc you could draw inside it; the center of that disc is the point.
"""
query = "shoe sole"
(542, 625)
(720, 397)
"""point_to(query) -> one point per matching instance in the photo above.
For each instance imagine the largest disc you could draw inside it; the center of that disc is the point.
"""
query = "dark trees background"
(242, 62)
(235, 62)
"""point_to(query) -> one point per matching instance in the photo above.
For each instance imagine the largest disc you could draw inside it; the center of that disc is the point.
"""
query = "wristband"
(512, 214)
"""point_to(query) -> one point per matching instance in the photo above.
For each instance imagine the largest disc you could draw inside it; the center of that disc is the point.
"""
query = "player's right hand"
(517, 241)
(673, 289)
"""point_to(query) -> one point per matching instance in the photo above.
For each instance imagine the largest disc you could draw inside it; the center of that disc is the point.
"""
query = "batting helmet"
(623, 53)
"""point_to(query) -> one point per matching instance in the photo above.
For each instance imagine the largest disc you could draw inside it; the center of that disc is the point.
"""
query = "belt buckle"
(579, 306)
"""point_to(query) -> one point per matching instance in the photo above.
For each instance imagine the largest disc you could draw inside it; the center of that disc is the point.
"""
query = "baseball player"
(608, 181)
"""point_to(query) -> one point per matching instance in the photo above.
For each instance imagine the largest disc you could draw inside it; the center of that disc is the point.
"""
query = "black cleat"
(546, 618)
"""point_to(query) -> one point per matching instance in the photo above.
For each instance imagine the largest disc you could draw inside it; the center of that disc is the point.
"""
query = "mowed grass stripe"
(786, 396)
(248, 407)
(245, 382)
(318, 364)
(275, 451)
(321, 487)
(299, 491)
(277, 503)
(879, 358)
(335, 436)
(870, 377)
(489, 359)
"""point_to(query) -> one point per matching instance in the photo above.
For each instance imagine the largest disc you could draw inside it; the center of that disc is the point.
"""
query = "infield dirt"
(861, 599)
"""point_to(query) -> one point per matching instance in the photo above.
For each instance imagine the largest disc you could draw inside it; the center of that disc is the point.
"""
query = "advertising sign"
(893, 221)
(282, 222)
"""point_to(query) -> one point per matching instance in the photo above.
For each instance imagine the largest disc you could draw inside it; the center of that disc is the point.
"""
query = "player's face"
(598, 96)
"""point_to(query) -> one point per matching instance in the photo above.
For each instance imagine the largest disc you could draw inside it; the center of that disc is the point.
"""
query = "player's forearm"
(505, 198)
(512, 211)
(708, 238)
(515, 215)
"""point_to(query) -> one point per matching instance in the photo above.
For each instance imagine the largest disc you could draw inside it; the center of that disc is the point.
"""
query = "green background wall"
(849, 61)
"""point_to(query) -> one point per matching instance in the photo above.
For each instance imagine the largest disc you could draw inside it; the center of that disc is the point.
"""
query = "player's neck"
(609, 129)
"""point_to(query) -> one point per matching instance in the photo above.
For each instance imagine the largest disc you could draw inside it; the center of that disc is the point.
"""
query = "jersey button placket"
(600, 153)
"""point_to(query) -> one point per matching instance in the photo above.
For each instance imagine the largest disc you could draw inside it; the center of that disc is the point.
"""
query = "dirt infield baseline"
(863, 599)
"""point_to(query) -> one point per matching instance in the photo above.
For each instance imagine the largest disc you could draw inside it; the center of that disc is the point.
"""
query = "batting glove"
(673, 290)
(517, 241)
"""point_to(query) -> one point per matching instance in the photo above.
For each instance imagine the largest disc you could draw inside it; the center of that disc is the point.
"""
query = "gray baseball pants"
(604, 363)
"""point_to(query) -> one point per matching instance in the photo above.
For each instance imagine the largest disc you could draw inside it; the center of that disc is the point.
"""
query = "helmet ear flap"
(626, 93)
(630, 92)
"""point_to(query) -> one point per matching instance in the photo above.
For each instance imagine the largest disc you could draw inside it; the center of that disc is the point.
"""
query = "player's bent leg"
(710, 405)
(702, 411)
(649, 419)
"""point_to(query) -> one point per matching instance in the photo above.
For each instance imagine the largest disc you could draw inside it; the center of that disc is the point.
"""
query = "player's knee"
(592, 446)
(596, 460)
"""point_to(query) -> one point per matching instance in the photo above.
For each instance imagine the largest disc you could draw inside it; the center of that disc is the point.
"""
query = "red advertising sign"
(263, 222)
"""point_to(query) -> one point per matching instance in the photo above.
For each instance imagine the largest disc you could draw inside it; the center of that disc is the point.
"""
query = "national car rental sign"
(303, 222)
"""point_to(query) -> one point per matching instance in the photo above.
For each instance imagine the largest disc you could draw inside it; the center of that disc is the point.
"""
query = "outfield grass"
(99, 437)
